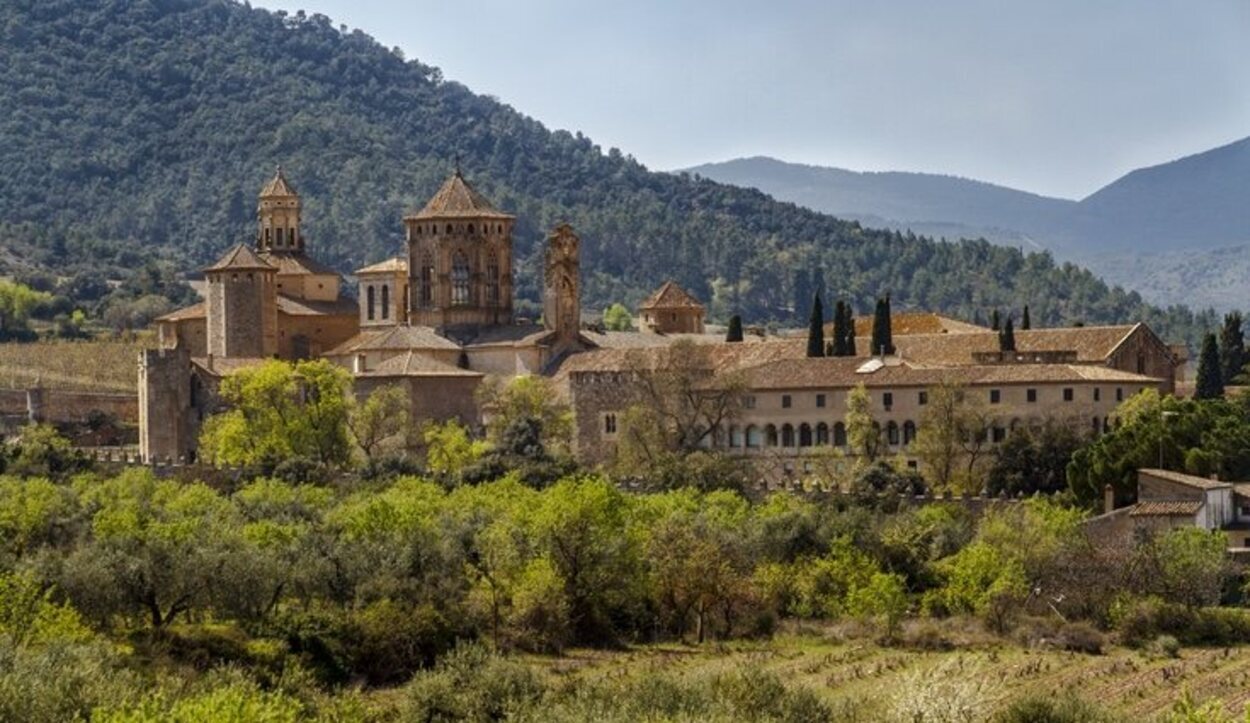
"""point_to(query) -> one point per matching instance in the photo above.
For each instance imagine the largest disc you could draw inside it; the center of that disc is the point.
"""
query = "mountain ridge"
(146, 128)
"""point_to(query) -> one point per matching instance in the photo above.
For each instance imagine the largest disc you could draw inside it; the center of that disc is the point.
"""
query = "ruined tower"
(561, 283)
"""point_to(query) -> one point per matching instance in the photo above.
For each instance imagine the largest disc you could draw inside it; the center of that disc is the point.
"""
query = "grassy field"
(98, 365)
(861, 676)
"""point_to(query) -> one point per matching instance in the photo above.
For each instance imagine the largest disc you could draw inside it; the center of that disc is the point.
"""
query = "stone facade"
(671, 310)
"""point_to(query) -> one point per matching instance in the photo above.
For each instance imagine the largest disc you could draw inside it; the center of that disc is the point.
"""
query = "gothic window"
(386, 301)
(460, 280)
(609, 424)
(369, 304)
(492, 281)
(427, 280)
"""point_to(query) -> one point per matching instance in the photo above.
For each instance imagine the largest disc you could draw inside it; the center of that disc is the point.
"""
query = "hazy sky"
(1052, 96)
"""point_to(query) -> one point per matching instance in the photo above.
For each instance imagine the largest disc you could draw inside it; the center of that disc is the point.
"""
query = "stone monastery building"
(438, 318)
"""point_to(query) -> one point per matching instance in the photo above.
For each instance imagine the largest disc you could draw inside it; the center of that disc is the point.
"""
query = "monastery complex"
(438, 319)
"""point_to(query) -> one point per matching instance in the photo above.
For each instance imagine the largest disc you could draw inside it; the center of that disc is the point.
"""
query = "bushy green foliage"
(179, 153)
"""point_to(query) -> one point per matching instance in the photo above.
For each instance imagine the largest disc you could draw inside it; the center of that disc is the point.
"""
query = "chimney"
(1108, 499)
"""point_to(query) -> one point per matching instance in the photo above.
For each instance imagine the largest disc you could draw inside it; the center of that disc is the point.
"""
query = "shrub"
(1166, 646)
(1141, 621)
(470, 684)
(390, 641)
(60, 682)
(1051, 708)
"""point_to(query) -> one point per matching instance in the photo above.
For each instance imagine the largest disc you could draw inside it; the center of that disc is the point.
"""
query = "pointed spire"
(278, 185)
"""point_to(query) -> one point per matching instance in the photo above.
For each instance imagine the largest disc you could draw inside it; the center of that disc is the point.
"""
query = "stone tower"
(242, 305)
(459, 260)
(561, 283)
(277, 217)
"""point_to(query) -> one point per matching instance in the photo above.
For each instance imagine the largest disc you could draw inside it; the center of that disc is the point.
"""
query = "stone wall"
(60, 406)
(1144, 353)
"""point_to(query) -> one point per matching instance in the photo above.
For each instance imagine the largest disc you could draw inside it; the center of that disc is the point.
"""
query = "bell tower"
(561, 284)
(278, 217)
(459, 260)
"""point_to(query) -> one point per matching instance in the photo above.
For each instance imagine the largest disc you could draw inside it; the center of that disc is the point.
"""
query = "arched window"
(470, 228)
(448, 229)
(891, 432)
(459, 280)
(370, 303)
(805, 435)
(909, 432)
(1097, 425)
(735, 433)
(427, 280)
(492, 280)
(787, 435)
(770, 435)
(386, 301)
(839, 434)
(822, 433)
(753, 436)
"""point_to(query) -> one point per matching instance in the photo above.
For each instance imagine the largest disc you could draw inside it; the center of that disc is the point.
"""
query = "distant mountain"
(914, 200)
(133, 130)
(1152, 230)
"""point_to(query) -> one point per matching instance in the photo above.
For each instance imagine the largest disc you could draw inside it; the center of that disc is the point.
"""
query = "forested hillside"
(146, 127)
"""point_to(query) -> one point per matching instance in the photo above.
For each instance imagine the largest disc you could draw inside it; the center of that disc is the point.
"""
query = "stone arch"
(805, 435)
(909, 432)
(822, 434)
(753, 436)
(891, 433)
(839, 434)
(787, 435)
(770, 435)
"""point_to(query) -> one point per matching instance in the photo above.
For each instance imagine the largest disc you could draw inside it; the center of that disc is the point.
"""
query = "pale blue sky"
(1054, 96)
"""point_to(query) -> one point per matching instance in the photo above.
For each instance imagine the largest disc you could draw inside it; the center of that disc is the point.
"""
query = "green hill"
(140, 128)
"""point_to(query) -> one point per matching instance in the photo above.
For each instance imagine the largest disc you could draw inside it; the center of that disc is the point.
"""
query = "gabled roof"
(392, 265)
(394, 338)
(1180, 478)
(913, 322)
(457, 199)
(1091, 343)
(240, 256)
(278, 186)
(415, 364)
(308, 307)
(670, 296)
(298, 264)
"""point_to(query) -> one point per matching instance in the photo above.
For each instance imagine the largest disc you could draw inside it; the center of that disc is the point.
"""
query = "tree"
(506, 401)
(882, 338)
(450, 449)
(1232, 348)
(1025, 323)
(951, 440)
(1007, 337)
(1032, 461)
(1188, 565)
(278, 411)
(862, 431)
(381, 421)
(617, 318)
(734, 334)
(995, 322)
(1209, 383)
(849, 326)
(839, 329)
(816, 329)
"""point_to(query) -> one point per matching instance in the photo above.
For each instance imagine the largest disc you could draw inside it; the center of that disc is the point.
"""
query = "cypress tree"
(881, 338)
(849, 346)
(889, 326)
(1209, 384)
(735, 329)
(1007, 337)
(839, 329)
(1232, 348)
(1025, 324)
(816, 328)
(802, 287)
(995, 324)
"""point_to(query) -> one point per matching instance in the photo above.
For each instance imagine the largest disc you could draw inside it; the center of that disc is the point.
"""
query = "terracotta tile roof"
(240, 256)
(670, 296)
(278, 186)
(415, 364)
(1189, 480)
(1166, 508)
(845, 372)
(635, 339)
(290, 264)
(394, 338)
(503, 335)
(1241, 489)
(308, 307)
(195, 311)
(908, 323)
(1091, 343)
(457, 199)
(391, 265)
